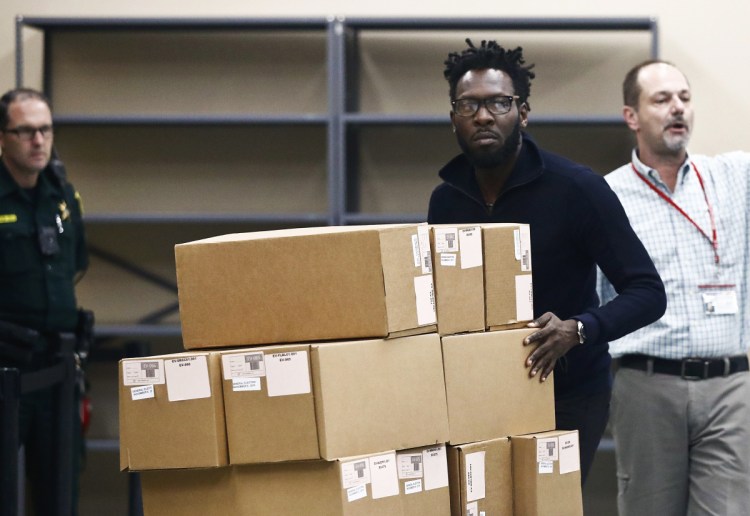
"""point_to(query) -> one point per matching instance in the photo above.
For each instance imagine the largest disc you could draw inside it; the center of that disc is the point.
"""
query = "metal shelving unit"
(343, 120)
(353, 119)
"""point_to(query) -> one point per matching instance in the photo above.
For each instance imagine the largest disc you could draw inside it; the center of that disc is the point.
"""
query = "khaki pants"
(683, 447)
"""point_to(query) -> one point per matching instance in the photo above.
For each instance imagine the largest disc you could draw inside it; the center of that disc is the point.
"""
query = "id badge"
(719, 299)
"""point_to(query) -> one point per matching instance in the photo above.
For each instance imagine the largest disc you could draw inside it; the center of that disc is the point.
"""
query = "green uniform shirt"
(37, 290)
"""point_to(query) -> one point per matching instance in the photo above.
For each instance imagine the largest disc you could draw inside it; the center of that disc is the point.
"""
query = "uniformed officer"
(42, 254)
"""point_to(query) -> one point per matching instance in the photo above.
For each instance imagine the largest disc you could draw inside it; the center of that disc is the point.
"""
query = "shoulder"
(620, 178)
(736, 162)
(580, 178)
(56, 175)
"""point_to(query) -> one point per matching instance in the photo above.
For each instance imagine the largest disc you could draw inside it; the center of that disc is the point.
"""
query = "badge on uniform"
(719, 299)
(64, 212)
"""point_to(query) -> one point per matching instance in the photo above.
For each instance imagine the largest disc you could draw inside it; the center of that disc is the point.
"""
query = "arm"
(601, 231)
(81, 250)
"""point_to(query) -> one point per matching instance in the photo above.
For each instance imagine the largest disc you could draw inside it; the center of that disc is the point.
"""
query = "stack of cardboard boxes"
(349, 371)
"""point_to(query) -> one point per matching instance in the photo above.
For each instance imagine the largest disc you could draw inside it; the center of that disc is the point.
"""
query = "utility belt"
(22, 346)
(687, 368)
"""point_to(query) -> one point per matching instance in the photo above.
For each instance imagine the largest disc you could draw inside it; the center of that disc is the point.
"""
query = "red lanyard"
(713, 239)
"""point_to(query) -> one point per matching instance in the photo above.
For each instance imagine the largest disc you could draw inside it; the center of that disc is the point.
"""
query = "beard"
(676, 144)
(497, 157)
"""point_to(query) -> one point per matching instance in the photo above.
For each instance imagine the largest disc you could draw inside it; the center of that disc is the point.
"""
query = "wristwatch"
(581, 332)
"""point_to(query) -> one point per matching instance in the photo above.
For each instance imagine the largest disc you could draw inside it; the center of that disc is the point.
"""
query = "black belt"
(687, 368)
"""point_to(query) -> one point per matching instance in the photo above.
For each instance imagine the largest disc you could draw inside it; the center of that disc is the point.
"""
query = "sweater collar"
(459, 172)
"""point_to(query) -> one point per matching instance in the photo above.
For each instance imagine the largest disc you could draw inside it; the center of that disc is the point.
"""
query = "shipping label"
(475, 476)
(243, 365)
(143, 372)
(187, 378)
(470, 243)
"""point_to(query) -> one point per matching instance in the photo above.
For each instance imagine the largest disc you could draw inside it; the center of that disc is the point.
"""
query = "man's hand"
(554, 339)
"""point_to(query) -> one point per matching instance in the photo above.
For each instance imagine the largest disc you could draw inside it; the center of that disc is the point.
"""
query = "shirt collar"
(529, 166)
(653, 174)
(8, 185)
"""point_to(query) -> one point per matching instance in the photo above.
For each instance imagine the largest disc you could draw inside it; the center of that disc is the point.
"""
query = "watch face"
(581, 333)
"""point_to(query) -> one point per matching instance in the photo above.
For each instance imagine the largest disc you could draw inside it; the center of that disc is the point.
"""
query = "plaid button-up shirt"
(684, 256)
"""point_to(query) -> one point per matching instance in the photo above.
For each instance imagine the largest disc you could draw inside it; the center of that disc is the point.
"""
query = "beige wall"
(708, 40)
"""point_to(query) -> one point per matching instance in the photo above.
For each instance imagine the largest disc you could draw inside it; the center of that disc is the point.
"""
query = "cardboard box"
(307, 284)
(331, 400)
(489, 391)
(547, 474)
(481, 478)
(458, 268)
(269, 404)
(483, 277)
(509, 296)
(172, 412)
(382, 483)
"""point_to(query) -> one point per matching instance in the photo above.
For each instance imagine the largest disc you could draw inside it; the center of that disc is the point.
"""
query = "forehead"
(660, 77)
(489, 81)
(29, 110)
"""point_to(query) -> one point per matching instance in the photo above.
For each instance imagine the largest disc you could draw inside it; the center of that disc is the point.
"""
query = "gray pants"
(683, 447)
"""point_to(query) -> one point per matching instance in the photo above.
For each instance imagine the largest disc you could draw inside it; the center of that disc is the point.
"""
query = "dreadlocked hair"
(490, 55)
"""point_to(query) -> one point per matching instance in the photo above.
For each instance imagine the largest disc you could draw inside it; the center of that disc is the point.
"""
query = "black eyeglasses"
(496, 105)
(27, 133)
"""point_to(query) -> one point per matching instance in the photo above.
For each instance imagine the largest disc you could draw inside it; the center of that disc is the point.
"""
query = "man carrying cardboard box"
(576, 224)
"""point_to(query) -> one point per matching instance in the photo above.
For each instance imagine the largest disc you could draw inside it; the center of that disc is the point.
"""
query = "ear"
(523, 115)
(453, 122)
(630, 115)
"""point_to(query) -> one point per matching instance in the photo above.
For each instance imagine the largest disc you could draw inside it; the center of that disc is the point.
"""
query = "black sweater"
(576, 223)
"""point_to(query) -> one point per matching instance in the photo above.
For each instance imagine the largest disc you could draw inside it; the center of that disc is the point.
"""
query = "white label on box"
(425, 295)
(142, 372)
(142, 392)
(546, 467)
(472, 509)
(547, 449)
(245, 384)
(482, 513)
(435, 462)
(447, 260)
(423, 232)
(415, 250)
(570, 458)
(355, 473)
(384, 476)
(524, 298)
(287, 373)
(413, 486)
(243, 365)
(356, 493)
(525, 249)
(470, 243)
(409, 465)
(475, 481)
(517, 243)
(187, 378)
(446, 240)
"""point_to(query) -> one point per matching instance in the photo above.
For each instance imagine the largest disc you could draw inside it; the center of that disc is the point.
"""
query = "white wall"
(709, 41)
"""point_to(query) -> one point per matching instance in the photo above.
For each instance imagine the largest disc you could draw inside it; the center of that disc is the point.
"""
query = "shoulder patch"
(80, 201)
